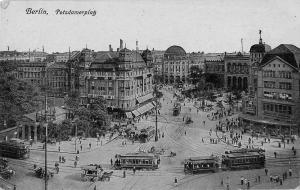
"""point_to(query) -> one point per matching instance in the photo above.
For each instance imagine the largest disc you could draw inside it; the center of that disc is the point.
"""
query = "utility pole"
(46, 134)
(155, 93)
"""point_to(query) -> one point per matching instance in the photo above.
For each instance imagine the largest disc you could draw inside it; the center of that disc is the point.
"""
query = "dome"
(175, 51)
(260, 48)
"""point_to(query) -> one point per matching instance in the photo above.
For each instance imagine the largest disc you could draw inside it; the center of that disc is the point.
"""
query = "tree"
(16, 97)
(215, 79)
(95, 115)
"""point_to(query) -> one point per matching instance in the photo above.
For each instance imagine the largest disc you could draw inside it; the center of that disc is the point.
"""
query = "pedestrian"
(275, 154)
(90, 145)
(59, 149)
(266, 171)
(248, 185)
(133, 170)
(175, 181)
(259, 179)
(59, 159)
(111, 162)
(124, 174)
(290, 172)
(294, 152)
(242, 180)
(95, 188)
(81, 147)
(184, 132)
(75, 164)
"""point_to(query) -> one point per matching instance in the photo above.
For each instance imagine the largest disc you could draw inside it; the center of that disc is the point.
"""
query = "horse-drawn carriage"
(94, 172)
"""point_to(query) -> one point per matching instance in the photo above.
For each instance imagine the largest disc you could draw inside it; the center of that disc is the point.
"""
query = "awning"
(150, 106)
(136, 113)
(143, 109)
(144, 98)
(129, 115)
(265, 121)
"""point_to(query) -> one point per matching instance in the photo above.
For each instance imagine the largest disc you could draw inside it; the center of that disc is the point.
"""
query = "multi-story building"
(123, 78)
(214, 65)
(197, 60)
(277, 102)
(237, 66)
(257, 52)
(32, 72)
(157, 57)
(57, 77)
(34, 56)
(175, 67)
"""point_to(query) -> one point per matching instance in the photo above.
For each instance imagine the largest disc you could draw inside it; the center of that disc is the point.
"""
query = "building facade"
(237, 68)
(175, 68)
(30, 56)
(32, 72)
(197, 60)
(214, 65)
(123, 78)
(57, 77)
(157, 57)
(277, 102)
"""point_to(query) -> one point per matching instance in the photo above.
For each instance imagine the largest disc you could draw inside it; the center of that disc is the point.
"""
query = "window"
(269, 84)
(285, 85)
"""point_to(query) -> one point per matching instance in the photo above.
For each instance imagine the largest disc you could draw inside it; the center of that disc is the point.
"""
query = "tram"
(243, 159)
(201, 164)
(14, 149)
(138, 161)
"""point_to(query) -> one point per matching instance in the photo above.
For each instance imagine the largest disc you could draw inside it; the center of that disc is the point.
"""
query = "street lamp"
(155, 93)
(75, 122)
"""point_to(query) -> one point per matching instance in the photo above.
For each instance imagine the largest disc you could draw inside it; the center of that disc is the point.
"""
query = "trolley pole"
(155, 90)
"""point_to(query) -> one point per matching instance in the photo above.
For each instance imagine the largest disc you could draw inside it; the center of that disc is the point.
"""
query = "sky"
(195, 25)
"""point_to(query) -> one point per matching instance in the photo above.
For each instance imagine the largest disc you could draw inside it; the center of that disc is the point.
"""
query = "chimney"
(110, 48)
(137, 45)
(7, 48)
(121, 44)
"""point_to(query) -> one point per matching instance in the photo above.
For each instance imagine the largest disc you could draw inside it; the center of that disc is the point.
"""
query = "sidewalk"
(68, 147)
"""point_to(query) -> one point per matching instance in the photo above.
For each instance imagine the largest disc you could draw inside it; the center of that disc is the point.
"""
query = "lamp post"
(75, 122)
(155, 93)
(46, 138)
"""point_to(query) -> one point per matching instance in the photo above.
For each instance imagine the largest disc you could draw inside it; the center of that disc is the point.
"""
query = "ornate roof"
(287, 52)
(175, 51)
(260, 48)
